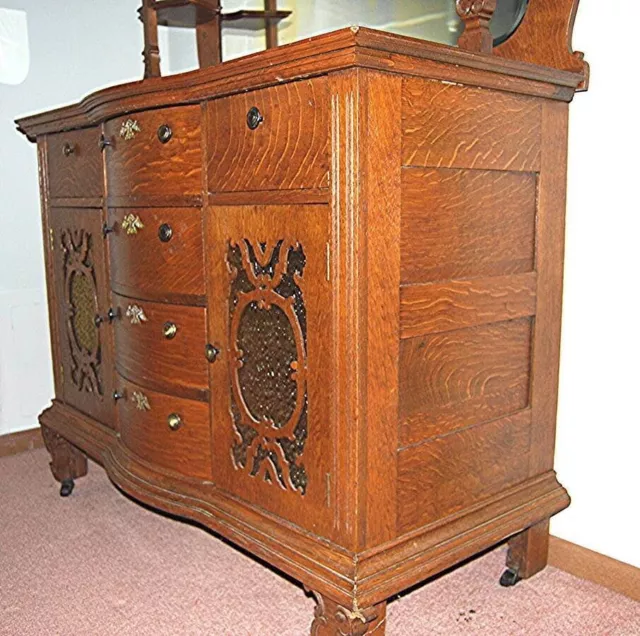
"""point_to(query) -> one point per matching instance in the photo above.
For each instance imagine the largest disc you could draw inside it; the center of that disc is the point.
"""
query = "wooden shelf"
(191, 13)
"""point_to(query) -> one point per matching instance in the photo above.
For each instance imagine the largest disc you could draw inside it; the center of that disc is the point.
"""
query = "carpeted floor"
(97, 564)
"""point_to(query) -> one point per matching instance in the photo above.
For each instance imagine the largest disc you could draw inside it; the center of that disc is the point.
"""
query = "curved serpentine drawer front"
(164, 430)
(154, 152)
(162, 346)
(75, 164)
(157, 253)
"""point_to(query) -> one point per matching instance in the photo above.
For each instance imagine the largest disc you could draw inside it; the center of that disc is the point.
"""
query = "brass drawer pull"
(68, 149)
(169, 330)
(211, 352)
(165, 133)
(131, 224)
(165, 232)
(129, 129)
(174, 421)
(141, 401)
(254, 118)
(136, 314)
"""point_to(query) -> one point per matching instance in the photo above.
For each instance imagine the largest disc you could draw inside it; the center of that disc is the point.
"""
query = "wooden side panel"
(139, 164)
(147, 356)
(452, 472)
(144, 427)
(288, 150)
(451, 126)
(466, 223)
(143, 266)
(75, 164)
(455, 379)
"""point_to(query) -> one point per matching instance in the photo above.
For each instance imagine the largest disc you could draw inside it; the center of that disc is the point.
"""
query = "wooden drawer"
(145, 264)
(141, 164)
(162, 346)
(143, 418)
(74, 163)
(289, 149)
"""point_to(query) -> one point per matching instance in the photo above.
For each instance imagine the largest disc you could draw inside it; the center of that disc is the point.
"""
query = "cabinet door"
(270, 318)
(84, 332)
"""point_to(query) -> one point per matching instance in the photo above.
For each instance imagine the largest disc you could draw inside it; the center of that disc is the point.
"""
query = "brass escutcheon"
(141, 401)
(129, 129)
(132, 223)
(136, 314)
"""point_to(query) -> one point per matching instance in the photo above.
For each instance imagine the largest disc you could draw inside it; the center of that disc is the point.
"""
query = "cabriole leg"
(528, 553)
(333, 619)
(67, 462)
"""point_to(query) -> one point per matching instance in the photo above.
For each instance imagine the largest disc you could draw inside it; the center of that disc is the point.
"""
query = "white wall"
(79, 45)
(598, 439)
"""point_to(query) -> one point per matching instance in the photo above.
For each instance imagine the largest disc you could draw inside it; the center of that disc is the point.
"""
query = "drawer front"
(162, 346)
(146, 419)
(287, 149)
(155, 153)
(74, 164)
(157, 253)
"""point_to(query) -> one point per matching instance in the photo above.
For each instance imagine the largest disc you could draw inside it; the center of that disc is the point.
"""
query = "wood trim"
(595, 567)
(19, 442)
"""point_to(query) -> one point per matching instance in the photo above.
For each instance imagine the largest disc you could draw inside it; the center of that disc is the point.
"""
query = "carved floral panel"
(268, 361)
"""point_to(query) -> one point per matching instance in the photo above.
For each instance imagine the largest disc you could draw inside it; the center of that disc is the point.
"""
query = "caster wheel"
(66, 487)
(509, 578)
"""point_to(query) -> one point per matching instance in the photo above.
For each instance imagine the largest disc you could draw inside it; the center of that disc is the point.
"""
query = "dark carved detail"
(67, 462)
(476, 15)
(332, 619)
(268, 366)
(81, 303)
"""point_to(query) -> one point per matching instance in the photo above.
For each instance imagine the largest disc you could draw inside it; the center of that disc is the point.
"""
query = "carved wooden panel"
(452, 126)
(466, 223)
(289, 149)
(273, 422)
(81, 279)
(75, 164)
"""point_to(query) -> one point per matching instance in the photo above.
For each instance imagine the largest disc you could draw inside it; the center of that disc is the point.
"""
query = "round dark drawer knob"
(118, 395)
(169, 330)
(254, 118)
(174, 421)
(211, 352)
(165, 232)
(68, 149)
(165, 133)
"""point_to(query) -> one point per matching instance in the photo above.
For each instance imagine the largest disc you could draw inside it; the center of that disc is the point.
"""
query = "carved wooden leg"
(332, 619)
(528, 553)
(67, 462)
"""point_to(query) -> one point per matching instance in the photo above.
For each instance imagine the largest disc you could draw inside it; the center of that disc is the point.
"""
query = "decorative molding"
(15, 443)
(476, 16)
(597, 568)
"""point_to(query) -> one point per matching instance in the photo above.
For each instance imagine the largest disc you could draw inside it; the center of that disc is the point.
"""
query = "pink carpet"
(97, 564)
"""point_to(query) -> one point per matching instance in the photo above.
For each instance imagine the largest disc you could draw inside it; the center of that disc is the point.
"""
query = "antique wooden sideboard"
(311, 299)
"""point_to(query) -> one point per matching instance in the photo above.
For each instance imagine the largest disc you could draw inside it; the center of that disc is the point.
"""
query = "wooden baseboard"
(15, 443)
(592, 566)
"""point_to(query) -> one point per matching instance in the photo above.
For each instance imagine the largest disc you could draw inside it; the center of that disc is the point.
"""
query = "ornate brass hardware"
(129, 129)
(136, 314)
(112, 314)
(211, 352)
(68, 149)
(174, 421)
(169, 330)
(132, 223)
(141, 401)
(254, 118)
(103, 142)
(165, 232)
(165, 133)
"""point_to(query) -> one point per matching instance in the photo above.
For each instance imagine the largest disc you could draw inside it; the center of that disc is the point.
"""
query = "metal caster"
(66, 487)
(509, 578)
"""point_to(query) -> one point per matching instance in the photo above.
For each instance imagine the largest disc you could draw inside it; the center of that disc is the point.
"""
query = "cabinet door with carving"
(84, 333)
(271, 354)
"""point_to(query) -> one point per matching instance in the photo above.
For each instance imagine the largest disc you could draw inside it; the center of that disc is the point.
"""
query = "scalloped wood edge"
(545, 38)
